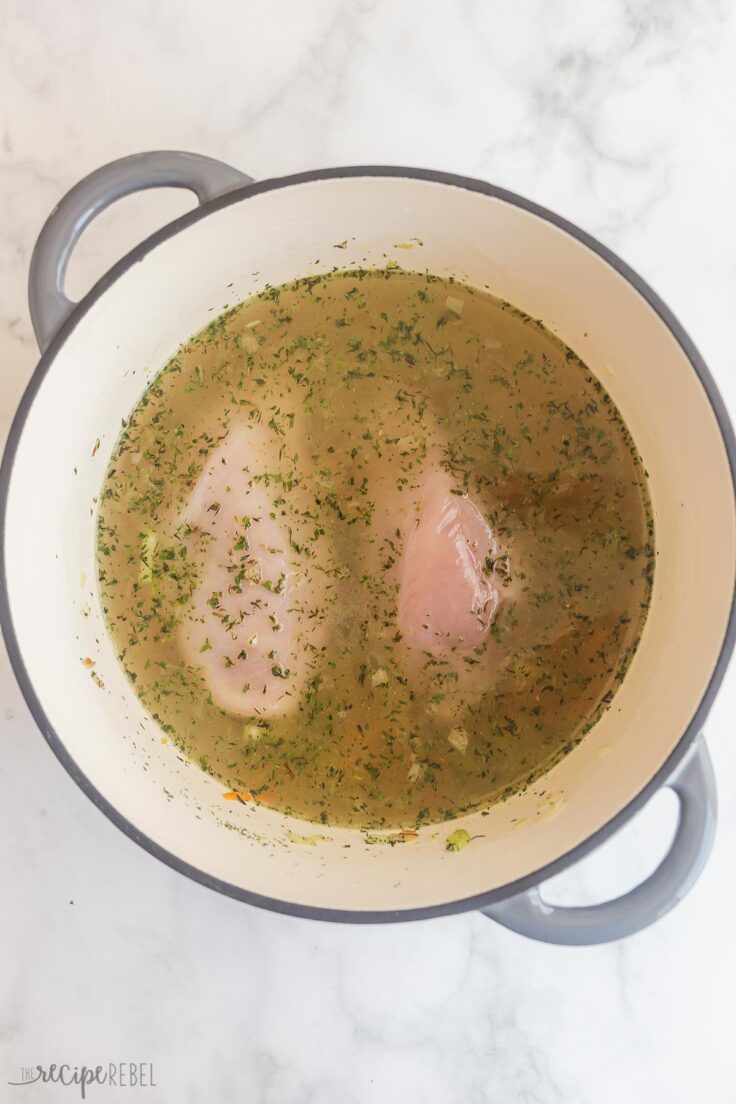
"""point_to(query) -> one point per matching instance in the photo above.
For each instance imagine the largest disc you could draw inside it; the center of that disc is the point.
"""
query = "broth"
(375, 548)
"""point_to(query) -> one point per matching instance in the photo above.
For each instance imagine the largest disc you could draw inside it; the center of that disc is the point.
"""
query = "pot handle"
(529, 914)
(207, 178)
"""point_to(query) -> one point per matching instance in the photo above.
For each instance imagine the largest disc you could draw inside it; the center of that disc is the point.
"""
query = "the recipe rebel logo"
(119, 1075)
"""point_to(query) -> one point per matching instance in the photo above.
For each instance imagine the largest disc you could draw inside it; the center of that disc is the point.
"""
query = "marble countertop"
(617, 115)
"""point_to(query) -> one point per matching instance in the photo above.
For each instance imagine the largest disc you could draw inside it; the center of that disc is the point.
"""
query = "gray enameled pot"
(242, 236)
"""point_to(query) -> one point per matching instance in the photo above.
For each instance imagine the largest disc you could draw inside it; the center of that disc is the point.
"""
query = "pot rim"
(361, 916)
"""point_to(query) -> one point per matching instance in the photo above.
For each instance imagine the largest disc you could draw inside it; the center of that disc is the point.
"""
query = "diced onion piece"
(379, 677)
(414, 771)
(454, 304)
(458, 738)
(149, 544)
(249, 342)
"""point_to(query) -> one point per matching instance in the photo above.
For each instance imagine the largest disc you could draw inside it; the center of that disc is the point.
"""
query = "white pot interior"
(127, 336)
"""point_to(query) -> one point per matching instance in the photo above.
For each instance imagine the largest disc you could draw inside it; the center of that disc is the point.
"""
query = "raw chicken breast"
(445, 599)
(240, 627)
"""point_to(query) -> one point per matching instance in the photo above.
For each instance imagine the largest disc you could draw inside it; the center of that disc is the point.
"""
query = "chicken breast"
(241, 627)
(447, 598)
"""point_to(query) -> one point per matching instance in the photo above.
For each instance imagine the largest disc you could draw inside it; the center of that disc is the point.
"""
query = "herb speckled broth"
(347, 394)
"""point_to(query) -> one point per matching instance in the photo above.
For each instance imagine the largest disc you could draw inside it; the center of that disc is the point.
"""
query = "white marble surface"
(621, 116)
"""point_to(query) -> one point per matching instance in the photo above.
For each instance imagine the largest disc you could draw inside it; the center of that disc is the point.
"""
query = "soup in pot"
(375, 549)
